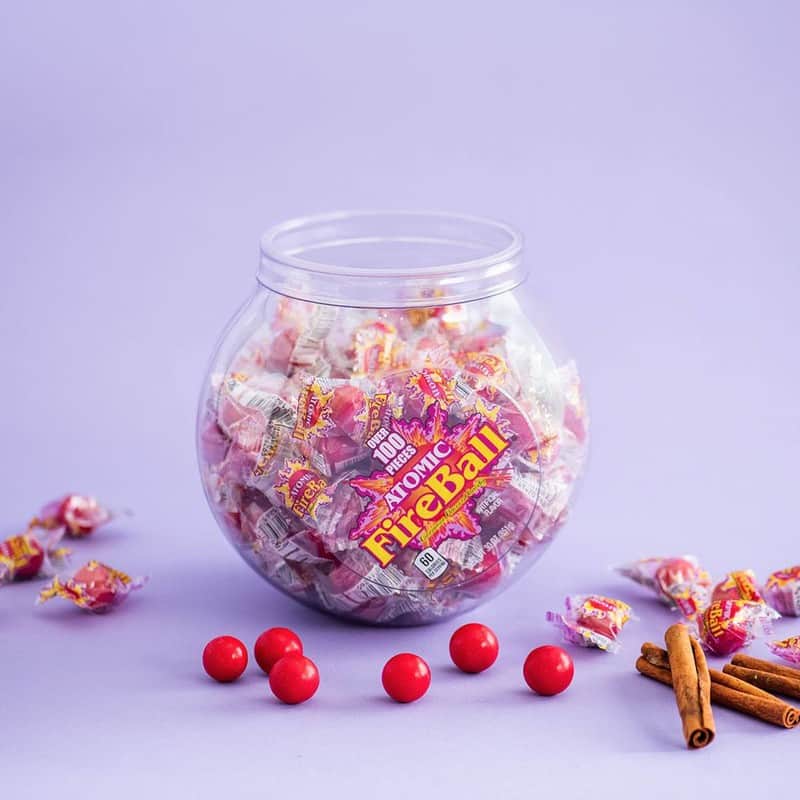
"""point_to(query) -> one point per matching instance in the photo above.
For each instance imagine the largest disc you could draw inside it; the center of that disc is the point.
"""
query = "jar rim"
(485, 257)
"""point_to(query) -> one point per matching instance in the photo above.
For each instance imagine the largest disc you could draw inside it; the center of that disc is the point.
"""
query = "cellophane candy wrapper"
(787, 649)
(726, 626)
(94, 587)
(678, 581)
(78, 515)
(393, 466)
(738, 585)
(591, 620)
(30, 556)
(782, 591)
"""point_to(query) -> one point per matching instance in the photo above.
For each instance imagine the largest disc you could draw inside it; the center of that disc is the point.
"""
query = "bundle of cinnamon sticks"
(744, 685)
(765, 675)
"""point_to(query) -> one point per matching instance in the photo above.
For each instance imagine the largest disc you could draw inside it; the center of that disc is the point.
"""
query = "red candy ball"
(294, 679)
(225, 658)
(548, 670)
(274, 644)
(474, 647)
(406, 677)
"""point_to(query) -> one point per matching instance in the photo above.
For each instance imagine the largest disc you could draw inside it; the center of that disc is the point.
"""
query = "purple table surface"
(648, 152)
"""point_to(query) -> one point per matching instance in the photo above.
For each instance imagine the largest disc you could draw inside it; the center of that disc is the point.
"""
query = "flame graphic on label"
(432, 498)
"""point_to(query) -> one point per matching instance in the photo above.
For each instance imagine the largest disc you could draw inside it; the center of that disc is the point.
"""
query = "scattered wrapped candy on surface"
(738, 585)
(94, 587)
(79, 515)
(678, 581)
(726, 626)
(29, 556)
(787, 649)
(591, 620)
(782, 591)
(393, 466)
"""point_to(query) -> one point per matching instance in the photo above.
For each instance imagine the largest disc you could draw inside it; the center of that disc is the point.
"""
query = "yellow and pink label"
(313, 409)
(23, 556)
(783, 577)
(486, 369)
(738, 585)
(787, 649)
(303, 489)
(433, 387)
(431, 477)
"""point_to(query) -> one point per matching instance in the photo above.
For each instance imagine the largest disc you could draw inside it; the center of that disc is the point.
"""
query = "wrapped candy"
(591, 620)
(391, 466)
(26, 556)
(787, 649)
(726, 626)
(308, 354)
(782, 591)
(377, 346)
(739, 585)
(679, 582)
(94, 587)
(79, 515)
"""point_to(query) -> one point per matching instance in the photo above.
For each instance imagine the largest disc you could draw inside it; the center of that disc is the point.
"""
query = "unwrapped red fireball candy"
(726, 626)
(678, 581)
(782, 591)
(548, 670)
(78, 514)
(591, 620)
(787, 649)
(29, 556)
(94, 587)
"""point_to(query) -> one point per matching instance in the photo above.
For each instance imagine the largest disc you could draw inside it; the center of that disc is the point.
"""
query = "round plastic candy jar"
(383, 434)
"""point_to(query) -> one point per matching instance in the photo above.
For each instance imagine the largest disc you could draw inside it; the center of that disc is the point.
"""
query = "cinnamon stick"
(650, 670)
(692, 686)
(730, 692)
(656, 655)
(749, 662)
(770, 681)
(769, 709)
(738, 685)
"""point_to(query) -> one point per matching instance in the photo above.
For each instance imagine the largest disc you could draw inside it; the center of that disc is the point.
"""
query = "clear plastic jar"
(382, 433)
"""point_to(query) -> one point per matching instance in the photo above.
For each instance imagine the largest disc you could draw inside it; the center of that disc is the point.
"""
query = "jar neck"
(379, 259)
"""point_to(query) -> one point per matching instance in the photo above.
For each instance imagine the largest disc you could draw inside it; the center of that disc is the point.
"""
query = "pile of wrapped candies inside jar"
(389, 465)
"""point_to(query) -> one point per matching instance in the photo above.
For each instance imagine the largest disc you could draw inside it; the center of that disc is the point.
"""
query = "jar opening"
(390, 259)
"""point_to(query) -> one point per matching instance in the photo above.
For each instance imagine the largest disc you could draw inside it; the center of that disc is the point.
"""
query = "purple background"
(648, 152)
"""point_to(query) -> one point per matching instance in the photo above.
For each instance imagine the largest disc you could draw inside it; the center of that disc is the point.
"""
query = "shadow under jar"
(382, 433)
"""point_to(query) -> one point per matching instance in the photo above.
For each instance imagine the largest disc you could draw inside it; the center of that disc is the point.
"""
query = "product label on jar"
(425, 493)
